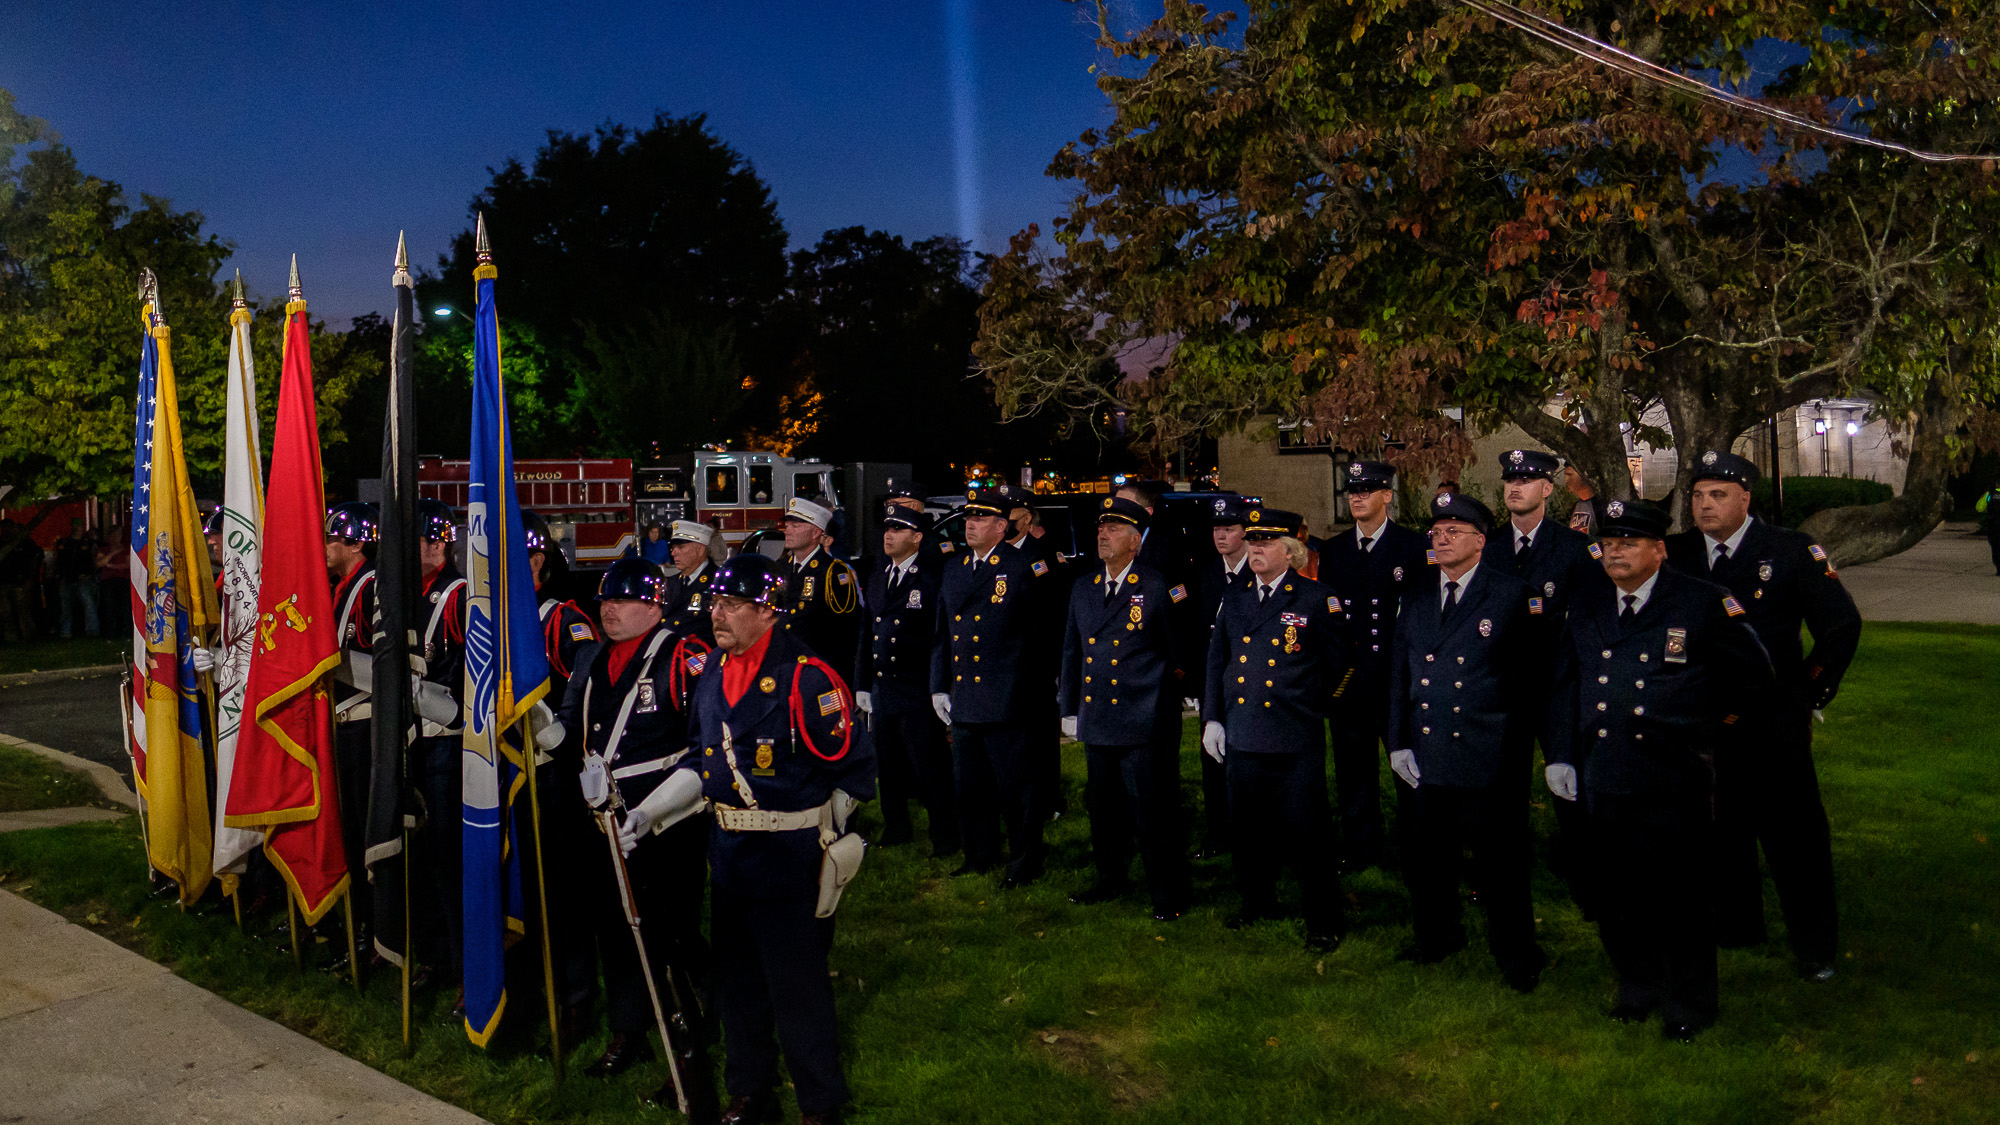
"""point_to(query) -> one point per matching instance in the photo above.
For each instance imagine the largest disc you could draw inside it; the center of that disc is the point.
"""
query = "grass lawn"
(52, 654)
(30, 781)
(963, 1004)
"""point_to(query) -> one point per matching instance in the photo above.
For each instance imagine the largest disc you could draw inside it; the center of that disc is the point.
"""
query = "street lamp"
(447, 310)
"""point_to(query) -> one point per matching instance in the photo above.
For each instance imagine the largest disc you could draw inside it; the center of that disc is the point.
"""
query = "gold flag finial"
(481, 247)
(297, 293)
(149, 294)
(402, 274)
(239, 302)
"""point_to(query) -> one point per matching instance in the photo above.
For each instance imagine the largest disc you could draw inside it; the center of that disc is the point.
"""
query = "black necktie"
(1525, 544)
(1450, 601)
(1263, 592)
(1721, 553)
(1365, 540)
(1631, 609)
(1110, 590)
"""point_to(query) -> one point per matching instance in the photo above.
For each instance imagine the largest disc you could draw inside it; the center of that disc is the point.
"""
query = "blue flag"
(506, 672)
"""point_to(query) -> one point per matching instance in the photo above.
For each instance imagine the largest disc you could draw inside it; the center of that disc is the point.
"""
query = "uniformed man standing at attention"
(1370, 568)
(435, 768)
(625, 718)
(781, 760)
(822, 593)
(1769, 792)
(986, 685)
(1228, 570)
(1045, 735)
(1467, 655)
(1553, 560)
(1121, 697)
(1654, 668)
(892, 677)
(687, 583)
(352, 530)
(1274, 657)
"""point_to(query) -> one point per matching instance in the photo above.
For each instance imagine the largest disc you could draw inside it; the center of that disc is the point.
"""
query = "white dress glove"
(1069, 726)
(1404, 763)
(670, 802)
(1190, 703)
(941, 703)
(864, 703)
(1562, 780)
(548, 729)
(204, 660)
(434, 702)
(1212, 739)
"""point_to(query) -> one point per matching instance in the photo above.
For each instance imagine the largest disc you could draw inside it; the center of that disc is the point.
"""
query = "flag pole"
(292, 920)
(353, 953)
(542, 896)
(131, 755)
(408, 953)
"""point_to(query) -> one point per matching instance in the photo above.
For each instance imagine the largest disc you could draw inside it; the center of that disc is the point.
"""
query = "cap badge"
(1517, 457)
(1220, 504)
(1107, 501)
(1708, 458)
(1354, 468)
(972, 496)
(1255, 516)
(1443, 501)
(1615, 509)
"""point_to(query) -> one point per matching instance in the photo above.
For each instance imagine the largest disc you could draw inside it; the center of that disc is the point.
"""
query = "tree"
(1360, 214)
(657, 387)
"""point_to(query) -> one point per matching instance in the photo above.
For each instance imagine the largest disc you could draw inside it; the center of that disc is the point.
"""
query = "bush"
(1806, 495)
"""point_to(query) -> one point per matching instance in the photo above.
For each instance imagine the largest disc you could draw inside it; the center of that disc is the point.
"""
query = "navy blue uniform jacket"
(1781, 578)
(1457, 688)
(894, 664)
(1118, 659)
(1272, 666)
(657, 727)
(783, 773)
(992, 616)
(1371, 587)
(1641, 710)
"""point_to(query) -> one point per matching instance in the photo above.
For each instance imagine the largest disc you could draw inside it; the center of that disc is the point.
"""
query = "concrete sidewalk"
(1947, 577)
(93, 1033)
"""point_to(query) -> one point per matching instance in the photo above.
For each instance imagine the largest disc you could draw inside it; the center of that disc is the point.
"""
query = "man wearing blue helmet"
(439, 661)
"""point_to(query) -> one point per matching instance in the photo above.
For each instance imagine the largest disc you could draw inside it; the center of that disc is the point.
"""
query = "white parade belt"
(764, 820)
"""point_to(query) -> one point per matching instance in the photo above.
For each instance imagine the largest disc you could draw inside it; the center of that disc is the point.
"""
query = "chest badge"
(999, 589)
(1291, 638)
(806, 591)
(1763, 572)
(765, 755)
(1135, 613)
(1677, 646)
(694, 603)
(767, 685)
(1486, 626)
(1397, 574)
(916, 600)
(1548, 589)
(647, 702)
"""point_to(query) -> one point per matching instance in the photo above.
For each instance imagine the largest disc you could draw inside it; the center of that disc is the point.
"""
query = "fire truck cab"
(737, 491)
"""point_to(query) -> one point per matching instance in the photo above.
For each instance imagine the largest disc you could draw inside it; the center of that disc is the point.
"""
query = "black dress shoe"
(757, 1109)
(1323, 941)
(1098, 892)
(1682, 1032)
(1628, 1012)
(624, 1052)
(1819, 972)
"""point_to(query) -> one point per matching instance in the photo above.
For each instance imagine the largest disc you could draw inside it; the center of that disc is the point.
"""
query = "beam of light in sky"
(961, 62)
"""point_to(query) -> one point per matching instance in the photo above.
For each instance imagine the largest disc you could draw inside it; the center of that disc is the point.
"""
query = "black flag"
(397, 572)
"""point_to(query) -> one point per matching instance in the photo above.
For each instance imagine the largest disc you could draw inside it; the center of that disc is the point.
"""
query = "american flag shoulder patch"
(1431, 557)
(844, 576)
(1534, 605)
(1333, 605)
(1040, 567)
(1818, 552)
(1734, 607)
(1596, 552)
(829, 703)
(947, 547)
(696, 662)
(578, 631)
(1178, 593)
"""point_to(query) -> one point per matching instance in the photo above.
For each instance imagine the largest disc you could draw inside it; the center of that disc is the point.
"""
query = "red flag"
(284, 778)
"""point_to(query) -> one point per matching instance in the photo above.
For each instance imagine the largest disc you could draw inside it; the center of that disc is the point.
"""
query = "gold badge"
(764, 755)
(999, 588)
(1135, 615)
(807, 592)
(1291, 638)
(767, 685)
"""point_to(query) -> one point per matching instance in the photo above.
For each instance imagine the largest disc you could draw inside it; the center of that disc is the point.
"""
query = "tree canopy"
(1361, 214)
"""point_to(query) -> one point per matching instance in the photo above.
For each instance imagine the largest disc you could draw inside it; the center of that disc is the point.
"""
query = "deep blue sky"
(324, 129)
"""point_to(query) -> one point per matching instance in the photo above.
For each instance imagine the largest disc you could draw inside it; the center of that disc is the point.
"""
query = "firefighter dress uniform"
(354, 609)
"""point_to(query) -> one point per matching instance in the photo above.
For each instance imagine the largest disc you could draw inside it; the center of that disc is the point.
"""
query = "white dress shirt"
(1733, 542)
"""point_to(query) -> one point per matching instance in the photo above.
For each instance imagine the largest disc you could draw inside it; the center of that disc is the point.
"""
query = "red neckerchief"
(622, 653)
(739, 672)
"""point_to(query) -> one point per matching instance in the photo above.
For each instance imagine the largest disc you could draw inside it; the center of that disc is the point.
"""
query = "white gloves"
(1404, 763)
(670, 802)
(595, 780)
(941, 703)
(864, 703)
(1069, 726)
(1190, 703)
(1212, 739)
(548, 730)
(434, 702)
(1562, 780)
(356, 669)
(204, 660)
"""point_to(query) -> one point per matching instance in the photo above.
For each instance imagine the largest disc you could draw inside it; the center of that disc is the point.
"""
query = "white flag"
(242, 534)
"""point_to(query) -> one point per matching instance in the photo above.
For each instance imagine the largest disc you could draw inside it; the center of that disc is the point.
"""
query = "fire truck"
(737, 491)
(588, 502)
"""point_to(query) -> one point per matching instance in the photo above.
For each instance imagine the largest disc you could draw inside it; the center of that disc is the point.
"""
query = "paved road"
(94, 1034)
(78, 714)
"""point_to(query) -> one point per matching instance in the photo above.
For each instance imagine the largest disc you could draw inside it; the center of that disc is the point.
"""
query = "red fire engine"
(587, 502)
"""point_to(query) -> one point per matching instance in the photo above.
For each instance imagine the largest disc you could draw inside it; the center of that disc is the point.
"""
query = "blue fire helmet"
(212, 523)
(634, 579)
(752, 577)
(355, 521)
(435, 521)
(534, 531)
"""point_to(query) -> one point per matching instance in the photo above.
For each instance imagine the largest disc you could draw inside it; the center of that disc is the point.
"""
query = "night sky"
(324, 129)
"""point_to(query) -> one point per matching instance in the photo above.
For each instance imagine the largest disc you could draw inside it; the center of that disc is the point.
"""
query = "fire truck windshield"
(721, 485)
